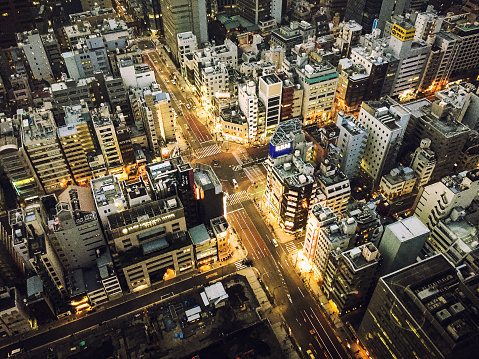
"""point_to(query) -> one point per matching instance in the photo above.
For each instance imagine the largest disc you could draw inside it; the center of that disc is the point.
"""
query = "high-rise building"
(401, 244)
(75, 230)
(318, 217)
(107, 140)
(369, 227)
(248, 103)
(181, 16)
(40, 139)
(269, 91)
(351, 144)
(32, 45)
(87, 57)
(77, 141)
(291, 187)
(424, 310)
(351, 276)
(437, 200)
(386, 121)
(438, 122)
(319, 82)
(208, 193)
(16, 163)
(423, 162)
(352, 85)
(16, 17)
(255, 10)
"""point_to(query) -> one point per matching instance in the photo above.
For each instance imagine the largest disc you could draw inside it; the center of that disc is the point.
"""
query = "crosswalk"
(237, 156)
(291, 247)
(207, 151)
(254, 173)
(238, 197)
(239, 265)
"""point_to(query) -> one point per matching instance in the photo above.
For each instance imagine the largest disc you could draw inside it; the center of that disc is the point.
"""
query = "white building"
(334, 184)
(413, 56)
(106, 135)
(270, 91)
(135, 74)
(437, 200)
(186, 44)
(318, 216)
(31, 44)
(213, 79)
(248, 103)
(386, 122)
(87, 57)
(108, 197)
(400, 181)
(423, 162)
(351, 143)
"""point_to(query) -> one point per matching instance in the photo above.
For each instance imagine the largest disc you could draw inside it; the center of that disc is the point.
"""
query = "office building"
(208, 193)
(437, 122)
(181, 16)
(41, 143)
(291, 187)
(351, 144)
(187, 44)
(12, 269)
(401, 244)
(149, 242)
(204, 244)
(109, 198)
(349, 35)
(255, 10)
(75, 230)
(32, 45)
(369, 227)
(248, 103)
(76, 141)
(222, 232)
(16, 163)
(333, 183)
(54, 55)
(319, 82)
(352, 85)
(212, 80)
(397, 183)
(16, 17)
(14, 317)
(31, 243)
(423, 310)
(87, 57)
(68, 92)
(175, 177)
(351, 276)
(386, 121)
(291, 99)
(269, 91)
(413, 56)
(77, 32)
(437, 200)
(88, 5)
(423, 162)
(22, 92)
(107, 140)
(454, 236)
(287, 37)
(318, 217)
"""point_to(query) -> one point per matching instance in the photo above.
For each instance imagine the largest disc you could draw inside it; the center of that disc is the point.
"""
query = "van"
(235, 184)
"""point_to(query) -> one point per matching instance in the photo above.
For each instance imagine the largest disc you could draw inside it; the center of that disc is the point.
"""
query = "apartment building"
(248, 103)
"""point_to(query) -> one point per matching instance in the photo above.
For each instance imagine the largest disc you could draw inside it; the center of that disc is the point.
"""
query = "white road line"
(316, 330)
(325, 333)
(243, 217)
(300, 291)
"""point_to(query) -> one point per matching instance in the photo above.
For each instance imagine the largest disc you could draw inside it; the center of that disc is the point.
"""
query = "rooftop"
(362, 257)
(107, 190)
(408, 228)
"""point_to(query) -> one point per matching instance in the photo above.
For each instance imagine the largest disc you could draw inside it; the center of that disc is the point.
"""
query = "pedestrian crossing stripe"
(207, 151)
(238, 197)
(239, 265)
(291, 247)
(254, 173)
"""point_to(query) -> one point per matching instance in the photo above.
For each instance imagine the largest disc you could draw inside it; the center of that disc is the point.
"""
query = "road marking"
(207, 151)
(211, 275)
(238, 197)
(326, 334)
(239, 265)
(316, 330)
(300, 291)
(166, 295)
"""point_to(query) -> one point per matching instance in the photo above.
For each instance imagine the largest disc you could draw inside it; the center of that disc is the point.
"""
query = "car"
(173, 82)
(310, 353)
(235, 183)
(188, 106)
(275, 243)
(15, 352)
(215, 163)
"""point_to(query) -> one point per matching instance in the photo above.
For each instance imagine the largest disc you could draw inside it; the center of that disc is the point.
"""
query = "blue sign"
(375, 24)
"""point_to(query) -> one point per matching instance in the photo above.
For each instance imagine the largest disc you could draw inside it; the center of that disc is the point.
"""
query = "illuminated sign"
(165, 152)
(22, 182)
(403, 34)
(148, 224)
(223, 94)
